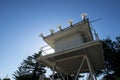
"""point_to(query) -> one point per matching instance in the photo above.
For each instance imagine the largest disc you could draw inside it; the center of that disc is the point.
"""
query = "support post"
(67, 76)
(60, 73)
(80, 68)
(90, 68)
(53, 72)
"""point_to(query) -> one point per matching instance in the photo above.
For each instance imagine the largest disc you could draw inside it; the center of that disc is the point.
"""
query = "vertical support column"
(60, 73)
(67, 76)
(80, 68)
(41, 77)
(92, 73)
(53, 70)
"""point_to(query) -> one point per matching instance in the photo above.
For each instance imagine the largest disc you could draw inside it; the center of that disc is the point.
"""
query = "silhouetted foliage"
(6, 79)
(112, 58)
(30, 69)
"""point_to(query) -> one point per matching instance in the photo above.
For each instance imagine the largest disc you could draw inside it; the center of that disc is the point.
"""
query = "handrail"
(47, 50)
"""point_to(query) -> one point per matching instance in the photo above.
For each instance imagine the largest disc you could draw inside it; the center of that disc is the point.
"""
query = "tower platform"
(69, 61)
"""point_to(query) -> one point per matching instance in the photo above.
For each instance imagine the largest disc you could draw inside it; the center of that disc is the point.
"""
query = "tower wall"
(68, 42)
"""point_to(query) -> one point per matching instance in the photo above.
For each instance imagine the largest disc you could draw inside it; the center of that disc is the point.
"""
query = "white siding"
(68, 42)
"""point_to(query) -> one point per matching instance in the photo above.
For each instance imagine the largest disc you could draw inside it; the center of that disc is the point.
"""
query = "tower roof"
(80, 27)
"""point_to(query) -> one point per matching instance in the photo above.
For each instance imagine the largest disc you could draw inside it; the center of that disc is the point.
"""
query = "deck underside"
(69, 61)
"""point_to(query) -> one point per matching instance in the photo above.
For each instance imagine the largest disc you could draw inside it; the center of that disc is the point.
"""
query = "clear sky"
(21, 22)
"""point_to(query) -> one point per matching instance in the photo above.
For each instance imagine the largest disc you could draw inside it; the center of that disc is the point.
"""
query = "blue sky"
(21, 22)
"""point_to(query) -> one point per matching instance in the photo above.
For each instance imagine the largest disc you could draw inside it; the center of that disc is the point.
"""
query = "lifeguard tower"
(77, 50)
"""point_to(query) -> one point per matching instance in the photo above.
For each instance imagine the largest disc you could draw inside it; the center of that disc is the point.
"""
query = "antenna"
(52, 31)
(41, 35)
(70, 22)
(96, 20)
(84, 15)
(59, 27)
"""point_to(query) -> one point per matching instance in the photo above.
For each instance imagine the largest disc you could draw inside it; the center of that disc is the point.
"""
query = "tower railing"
(47, 50)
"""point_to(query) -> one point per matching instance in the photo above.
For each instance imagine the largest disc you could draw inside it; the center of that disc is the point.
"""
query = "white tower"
(75, 51)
